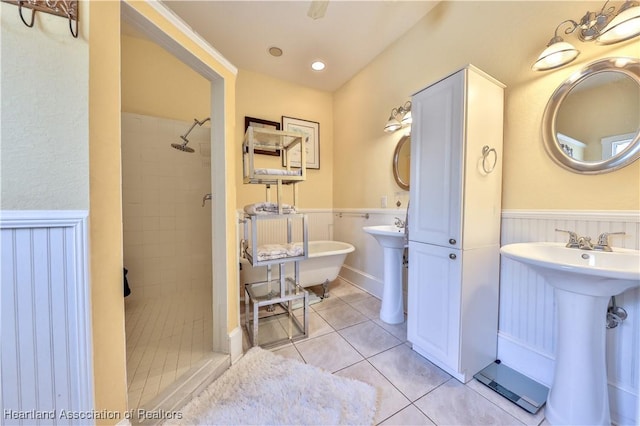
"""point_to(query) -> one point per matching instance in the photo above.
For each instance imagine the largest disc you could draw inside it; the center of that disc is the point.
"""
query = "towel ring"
(485, 154)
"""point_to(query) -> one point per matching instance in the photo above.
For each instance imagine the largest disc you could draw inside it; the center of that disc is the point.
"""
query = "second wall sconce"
(604, 27)
(400, 117)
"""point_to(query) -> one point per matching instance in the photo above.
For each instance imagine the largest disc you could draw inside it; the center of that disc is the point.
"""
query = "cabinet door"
(433, 316)
(436, 163)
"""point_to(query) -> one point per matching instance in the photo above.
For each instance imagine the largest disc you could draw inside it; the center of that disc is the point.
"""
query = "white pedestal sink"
(391, 238)
(583, 282)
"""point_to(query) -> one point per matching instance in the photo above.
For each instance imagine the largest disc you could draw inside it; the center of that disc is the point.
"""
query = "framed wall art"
(311, 131)
(258, 122)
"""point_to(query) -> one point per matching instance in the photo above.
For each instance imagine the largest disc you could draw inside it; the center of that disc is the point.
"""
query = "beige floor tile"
(329, 352)
(289, 351)
(342, 317)
(508, 406)
(398, 330)
(368, 338)
(317, 325)
(412, 374)
(327, 303)
(456, 404)
(369, 307)
(409, 416)
(390, 400)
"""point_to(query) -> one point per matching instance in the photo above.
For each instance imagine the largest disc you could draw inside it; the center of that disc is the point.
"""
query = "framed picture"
(311, 130)
(258, 122)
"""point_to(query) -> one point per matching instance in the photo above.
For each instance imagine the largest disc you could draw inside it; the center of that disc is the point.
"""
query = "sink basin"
(387, 235)
(392, 240)
(596, 273)
(583, 282)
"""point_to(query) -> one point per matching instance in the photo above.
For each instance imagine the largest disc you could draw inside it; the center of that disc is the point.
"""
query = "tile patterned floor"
(166, 336)
(347, 338)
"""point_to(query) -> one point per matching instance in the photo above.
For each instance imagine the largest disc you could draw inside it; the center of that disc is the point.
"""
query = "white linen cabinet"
(454, 221)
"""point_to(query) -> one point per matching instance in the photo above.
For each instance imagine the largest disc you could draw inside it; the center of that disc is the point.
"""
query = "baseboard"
(525, 359)
(235, 344)
(539, 366)
(367, 282)
(623, 404)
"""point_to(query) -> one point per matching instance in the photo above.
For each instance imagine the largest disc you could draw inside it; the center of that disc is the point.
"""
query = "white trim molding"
(171, 16)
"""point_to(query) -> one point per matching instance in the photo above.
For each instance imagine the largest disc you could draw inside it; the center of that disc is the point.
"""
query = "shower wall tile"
(167, 234)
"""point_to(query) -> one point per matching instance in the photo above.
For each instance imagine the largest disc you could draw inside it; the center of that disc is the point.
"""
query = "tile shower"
(167, 251)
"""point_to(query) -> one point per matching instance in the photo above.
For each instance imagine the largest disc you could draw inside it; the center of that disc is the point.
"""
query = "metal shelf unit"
(278, 293)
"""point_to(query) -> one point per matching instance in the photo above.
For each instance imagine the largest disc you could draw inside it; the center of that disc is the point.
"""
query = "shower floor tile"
(166, 336)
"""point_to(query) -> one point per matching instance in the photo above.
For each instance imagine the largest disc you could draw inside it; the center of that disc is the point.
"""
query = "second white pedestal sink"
(392, 240)
(583, 282)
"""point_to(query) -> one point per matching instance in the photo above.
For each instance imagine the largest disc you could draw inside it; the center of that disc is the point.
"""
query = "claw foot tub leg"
(325, 289)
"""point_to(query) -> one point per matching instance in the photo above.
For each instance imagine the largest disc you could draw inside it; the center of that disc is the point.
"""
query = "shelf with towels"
(260, 169)
(289, 243)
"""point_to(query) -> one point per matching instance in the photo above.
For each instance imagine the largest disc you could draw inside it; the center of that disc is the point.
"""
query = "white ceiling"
(350, 35)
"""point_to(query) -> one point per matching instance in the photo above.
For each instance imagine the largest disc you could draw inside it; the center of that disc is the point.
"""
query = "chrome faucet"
(573, 239)
(399, 223)
(584, 243)
(603, 241)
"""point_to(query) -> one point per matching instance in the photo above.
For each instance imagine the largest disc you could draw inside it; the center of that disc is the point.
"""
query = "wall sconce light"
(400, 117)
(604, 27)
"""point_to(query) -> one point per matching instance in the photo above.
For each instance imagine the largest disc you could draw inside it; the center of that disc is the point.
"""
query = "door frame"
(221, 338)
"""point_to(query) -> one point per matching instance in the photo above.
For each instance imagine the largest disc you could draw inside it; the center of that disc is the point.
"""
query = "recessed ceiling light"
(318, 65)
(275, 51)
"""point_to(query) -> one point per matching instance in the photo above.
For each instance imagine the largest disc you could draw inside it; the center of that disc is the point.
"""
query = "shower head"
(183, 146)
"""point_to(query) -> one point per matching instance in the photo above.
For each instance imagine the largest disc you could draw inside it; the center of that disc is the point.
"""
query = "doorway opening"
(176, 334)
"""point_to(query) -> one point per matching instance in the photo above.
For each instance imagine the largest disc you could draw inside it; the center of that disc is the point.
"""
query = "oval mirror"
(401, 162)
(592, 122)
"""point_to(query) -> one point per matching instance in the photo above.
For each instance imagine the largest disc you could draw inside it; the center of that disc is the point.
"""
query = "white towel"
(268, 208)
(295, 249)
(271, 251)
(279, 251)
(279, 172)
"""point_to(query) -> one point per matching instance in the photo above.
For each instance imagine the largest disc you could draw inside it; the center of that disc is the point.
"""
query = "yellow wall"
(105, 220)
(503, 43)
(105, 193)
(156, 83)
(260, 96)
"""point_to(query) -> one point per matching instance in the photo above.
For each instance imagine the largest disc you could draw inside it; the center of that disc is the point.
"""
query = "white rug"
(267, 389)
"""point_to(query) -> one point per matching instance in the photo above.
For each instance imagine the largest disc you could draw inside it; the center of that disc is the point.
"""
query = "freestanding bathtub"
(322, 266)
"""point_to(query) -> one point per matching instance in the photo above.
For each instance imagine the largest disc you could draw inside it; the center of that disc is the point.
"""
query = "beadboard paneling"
(46, 333)
(527, 309)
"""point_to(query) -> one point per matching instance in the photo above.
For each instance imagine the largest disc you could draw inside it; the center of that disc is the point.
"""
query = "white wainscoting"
(526, 340)
(46, 314)
(365, 266)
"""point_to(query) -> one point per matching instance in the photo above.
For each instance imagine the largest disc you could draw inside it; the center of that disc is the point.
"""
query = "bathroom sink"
(387, 235)
(392, 240)
(583, 282)
(587, 272)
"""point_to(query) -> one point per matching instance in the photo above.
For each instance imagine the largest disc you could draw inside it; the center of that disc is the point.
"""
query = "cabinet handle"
(452, 256)
(452, 241)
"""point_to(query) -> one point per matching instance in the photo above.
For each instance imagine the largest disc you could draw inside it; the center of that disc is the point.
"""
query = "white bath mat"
(267, 389)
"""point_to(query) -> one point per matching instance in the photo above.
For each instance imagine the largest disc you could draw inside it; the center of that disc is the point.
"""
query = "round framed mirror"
(402, 163)
(592, 122)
